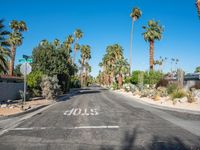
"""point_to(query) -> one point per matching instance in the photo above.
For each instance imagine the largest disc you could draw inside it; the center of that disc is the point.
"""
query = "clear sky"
(107, 22)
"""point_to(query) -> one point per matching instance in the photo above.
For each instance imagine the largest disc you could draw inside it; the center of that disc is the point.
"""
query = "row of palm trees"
(9, 41)
(114, 66)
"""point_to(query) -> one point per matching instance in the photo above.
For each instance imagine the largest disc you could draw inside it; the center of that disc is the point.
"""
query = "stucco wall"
(10, 91)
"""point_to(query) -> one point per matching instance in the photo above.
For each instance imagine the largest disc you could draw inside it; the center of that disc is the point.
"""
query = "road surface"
(97, 119)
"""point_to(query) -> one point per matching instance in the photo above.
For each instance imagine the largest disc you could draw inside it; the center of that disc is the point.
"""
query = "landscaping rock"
(183, 100)
(196, 94)
(3, 105)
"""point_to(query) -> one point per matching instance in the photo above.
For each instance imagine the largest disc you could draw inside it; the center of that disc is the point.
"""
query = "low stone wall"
(10, 91)
(10, 87)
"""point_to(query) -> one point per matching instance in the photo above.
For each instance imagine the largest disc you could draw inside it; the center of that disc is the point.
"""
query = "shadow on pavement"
(156, 143)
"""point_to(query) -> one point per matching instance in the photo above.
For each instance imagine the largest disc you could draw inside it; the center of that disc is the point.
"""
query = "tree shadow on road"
(129, 142)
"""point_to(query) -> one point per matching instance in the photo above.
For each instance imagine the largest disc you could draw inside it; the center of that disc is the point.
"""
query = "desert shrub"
(162, 91)
(162, 83)
(126, 87)
(179, 93)
(190, 97)
(127, 80)
(115, 86)
(134, 78)
(172, 88)
(50, 87)
(152, 77)
(33, 81)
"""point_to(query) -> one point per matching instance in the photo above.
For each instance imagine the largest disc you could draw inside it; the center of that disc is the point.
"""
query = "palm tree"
(4, 51)
(135, 15)
(85, 56)
(78, 35)
(56, 42)
(153, 32)
(198, 6)
(121, 69)
(15, 39)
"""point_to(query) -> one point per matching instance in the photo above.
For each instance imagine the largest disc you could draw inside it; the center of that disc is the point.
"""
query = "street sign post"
(25, 69)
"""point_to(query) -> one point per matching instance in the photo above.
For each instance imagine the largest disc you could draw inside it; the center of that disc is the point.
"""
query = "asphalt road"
(96, 118)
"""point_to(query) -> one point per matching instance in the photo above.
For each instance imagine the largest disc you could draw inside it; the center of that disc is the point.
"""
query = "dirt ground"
(15, 108)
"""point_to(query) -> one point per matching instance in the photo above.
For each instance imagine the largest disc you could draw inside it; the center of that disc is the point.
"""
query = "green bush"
(33, 81)
(172, 88)
(115, 86)
(75, 82)
(150, 77)
(178, 94)
(134, 78)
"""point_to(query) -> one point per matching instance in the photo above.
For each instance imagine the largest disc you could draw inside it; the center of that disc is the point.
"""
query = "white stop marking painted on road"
(82, 112)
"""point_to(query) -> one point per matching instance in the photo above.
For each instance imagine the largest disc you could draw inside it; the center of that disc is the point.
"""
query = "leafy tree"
(4, 51)
(52, 60)
(152, 32)
(135, 15)
(15, 40)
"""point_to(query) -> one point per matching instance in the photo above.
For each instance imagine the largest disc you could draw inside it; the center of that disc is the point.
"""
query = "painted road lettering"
(82, 112)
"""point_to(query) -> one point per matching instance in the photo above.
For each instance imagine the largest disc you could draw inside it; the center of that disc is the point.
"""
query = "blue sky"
(107, 22)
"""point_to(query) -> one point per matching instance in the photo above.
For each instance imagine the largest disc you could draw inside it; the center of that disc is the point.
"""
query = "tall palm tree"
(135, 15)
(85, 56)
(15, 39)
(152, 32)
(4, 51)
(198, 6)
(78, 35)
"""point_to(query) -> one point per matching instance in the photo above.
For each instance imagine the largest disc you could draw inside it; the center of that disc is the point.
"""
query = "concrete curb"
(181, 110)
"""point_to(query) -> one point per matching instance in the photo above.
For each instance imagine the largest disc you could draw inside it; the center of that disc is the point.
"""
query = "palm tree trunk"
(198, 6)
(151, 52)
(131, 44)
(120, 80)
(74, 52)
(82, 68)
(12, 60)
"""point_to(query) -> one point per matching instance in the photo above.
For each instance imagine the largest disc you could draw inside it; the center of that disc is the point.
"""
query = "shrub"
(152, 77)
(172, 88)
(190, 97)
(75, 82)
(126, 87)
(134, 78)
(162, 83)
(178, 94)
(33, 81)
(50, 87)
(115, 86)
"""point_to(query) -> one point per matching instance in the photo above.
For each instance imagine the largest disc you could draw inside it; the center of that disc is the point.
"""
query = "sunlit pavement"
(98, 119)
